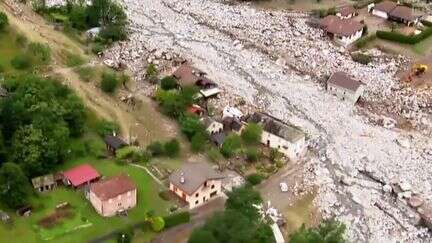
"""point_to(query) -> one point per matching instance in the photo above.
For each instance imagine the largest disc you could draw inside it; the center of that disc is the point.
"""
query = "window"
(128, 194)
(205, 183)
(196, 202)
(213, 186)
(196, 195)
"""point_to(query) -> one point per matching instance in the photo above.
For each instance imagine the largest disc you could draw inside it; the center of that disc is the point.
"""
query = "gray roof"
(218, 138)
(114, 141)
(194, 174)
(277, 127)
(41, 181)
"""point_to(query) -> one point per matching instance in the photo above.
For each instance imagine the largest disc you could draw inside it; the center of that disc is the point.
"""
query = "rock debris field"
(275, 61)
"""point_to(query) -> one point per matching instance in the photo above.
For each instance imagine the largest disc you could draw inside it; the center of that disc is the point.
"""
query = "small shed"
(44, 183)
(344, 87)
(81, 175)
(4, 217)
(113, 143)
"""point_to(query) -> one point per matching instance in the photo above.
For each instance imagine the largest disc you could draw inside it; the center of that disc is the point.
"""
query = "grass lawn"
(8, 49)
(27, 230)
(424, 47)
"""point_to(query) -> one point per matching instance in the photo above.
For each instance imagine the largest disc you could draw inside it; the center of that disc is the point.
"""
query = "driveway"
(180, 233)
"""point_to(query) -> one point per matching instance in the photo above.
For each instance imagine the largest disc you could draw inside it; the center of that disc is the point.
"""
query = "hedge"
(404, 39)
(362, 42)
(176, 219)
(254, 179)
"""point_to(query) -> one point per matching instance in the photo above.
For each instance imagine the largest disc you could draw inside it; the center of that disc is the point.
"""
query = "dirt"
(56, 218)
(304, 5)
(135, 122)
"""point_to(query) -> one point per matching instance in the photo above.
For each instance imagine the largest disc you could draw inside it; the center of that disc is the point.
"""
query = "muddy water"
(305, 5)
(299, 213)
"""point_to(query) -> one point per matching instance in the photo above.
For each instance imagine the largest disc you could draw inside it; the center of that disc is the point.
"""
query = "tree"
(329, 231)
(191, 125)
(14, 188)
(198, 142)
(109, 82)
(242, 199)
(172, 148)
(105, 13)
(169, 82)
(156, 148)
(3, 21)
(202, 236)
(230, 146)
(157, 224)
(251, 154)
(252, 133)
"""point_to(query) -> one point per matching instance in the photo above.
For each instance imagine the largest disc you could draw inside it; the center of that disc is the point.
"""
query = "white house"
(343, 31)
(233, 112)
(287, 139)
(212, 126)
(383, 9)
(344, 87)
(196, 183)
(392, 11)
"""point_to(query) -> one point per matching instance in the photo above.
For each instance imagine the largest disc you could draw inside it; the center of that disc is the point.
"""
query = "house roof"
(231, 123)
(194, 175)
(277, 127)
(347, 10)
(41, 181)
(403, 12)
(343, 27)
(112, 187)
(343, 80)
(114, 141)
(385, 6)
(218, 138)
(81, 174)
(188, 75)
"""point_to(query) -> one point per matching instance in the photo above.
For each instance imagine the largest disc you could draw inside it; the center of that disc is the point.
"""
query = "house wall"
(380, 14)
(112, 206)
(291, 150)
(345, 94)
(215, 127)
(347, 40)
(202, 195)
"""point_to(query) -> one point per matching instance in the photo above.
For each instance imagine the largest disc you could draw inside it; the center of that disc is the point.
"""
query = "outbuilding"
(80, 176)
(113, 143)
(344, 87)
(44, 183)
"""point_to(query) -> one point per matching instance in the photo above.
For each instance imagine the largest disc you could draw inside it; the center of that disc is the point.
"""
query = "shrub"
(152, 73)
(2, 69)
(21, 40)
(141, 157)
(126, 152)
(109, 82)
(252, 133)
(254, 179)
(362, 42)
(198, 142)
(21, 62)
(3, 21)
(156, 148)
(275, 155)
(168, 83)
(172, 148)
(231, 144)
(252, 154)
(361, 58)
(125, 236)
(73, 60)
(157, 224)
(98, 48)
(214, 155)
(176, 219)
(165, 195)
(40, 52)
(112, 33)
(86, 74)
(404, 39)
(107, 128)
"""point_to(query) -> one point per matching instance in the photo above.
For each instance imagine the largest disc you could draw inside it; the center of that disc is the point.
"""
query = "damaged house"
(190, 76)
(342, 31)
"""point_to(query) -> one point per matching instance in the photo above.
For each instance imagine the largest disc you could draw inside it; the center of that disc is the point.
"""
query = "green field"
(27, 230)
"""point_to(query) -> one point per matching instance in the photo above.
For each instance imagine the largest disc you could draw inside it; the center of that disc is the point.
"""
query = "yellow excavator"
(417, 70)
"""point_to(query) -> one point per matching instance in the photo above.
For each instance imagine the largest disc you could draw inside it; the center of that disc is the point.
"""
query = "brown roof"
(194, 175)
(385, 6)
(187, 75)
(342, 79)
(347, 10)
(344, 27)
(403, 12)
(112, 187)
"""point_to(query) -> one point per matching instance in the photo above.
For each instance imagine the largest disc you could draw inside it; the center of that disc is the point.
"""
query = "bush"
(214, 155)
(361, 58)
(3, 21)
(113, 33)
(176, 219)
(168, 83)
(98, 48)
(21, 40)
(254, 179)
(126, 152)
(156, 148)
(252, 154)
(198, 142)
(231, 144)
(252, 133)
(157, 224)
(73, 60)
(404, 39)
(21, 62)
(362, 42)
(86, 74)
(172, 148)
(125, 236)
(109, 82)
(40, 52)
(275, 155)
(152, 73)
(107, 128)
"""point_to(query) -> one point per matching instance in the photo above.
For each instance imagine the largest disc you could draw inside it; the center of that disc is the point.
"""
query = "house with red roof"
(80, 176)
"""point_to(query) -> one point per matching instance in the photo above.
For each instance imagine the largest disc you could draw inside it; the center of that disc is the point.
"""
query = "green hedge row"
(176, 219)
(362, 42)
(397, 37)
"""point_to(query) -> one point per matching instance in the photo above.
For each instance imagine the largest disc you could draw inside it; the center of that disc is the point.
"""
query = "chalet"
(346, 12)
(277, 134)
(344, 87)
(80, 176)
(196, 183)
(113, 196)
(190, 76)
(113, 143)
(212, 126)
(342, 31)
(390, 10)
(44, 183)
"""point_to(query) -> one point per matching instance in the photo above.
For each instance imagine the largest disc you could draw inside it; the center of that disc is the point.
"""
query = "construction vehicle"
(417, 70)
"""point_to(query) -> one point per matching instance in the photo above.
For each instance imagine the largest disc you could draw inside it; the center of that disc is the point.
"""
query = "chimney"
(182, 179)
